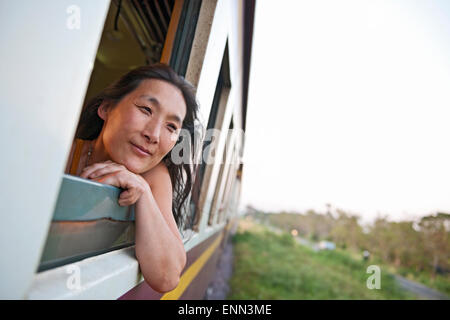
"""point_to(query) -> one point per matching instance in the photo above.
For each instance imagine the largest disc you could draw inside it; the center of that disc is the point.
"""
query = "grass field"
(274, 266)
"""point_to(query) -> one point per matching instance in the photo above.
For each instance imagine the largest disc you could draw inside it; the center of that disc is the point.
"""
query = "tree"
(346, 231)
(437, 241)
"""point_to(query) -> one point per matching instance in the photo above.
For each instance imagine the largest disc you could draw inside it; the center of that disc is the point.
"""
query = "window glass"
(223, 83)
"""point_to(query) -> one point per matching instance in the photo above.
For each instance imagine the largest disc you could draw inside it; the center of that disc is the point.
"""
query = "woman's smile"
(141, 151)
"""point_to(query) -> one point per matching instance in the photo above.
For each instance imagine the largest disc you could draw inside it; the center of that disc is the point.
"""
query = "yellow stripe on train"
(192, 271)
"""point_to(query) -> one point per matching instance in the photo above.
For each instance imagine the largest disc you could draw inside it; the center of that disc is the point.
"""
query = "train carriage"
(65, 237)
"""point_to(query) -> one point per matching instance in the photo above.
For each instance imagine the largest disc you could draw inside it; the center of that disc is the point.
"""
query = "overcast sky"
(349, 104)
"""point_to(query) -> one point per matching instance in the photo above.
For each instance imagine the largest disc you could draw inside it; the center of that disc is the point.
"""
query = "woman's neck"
(98, 152)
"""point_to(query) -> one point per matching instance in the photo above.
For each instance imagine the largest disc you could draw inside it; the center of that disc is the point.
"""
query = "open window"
(226, 180)
(204, 176)
(87, 220)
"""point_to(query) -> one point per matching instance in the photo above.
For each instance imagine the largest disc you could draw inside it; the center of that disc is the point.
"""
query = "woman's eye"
(145, 109)
(172, 128)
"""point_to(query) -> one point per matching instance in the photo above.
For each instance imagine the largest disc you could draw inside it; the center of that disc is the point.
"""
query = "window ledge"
(107, 276)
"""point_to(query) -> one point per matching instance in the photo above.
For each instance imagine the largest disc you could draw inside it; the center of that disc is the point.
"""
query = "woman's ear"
(102, 111)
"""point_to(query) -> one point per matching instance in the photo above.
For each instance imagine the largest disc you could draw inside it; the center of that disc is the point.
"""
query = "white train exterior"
(55, 54)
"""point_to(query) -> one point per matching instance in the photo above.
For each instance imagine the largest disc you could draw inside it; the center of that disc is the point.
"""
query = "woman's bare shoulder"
(159, 174)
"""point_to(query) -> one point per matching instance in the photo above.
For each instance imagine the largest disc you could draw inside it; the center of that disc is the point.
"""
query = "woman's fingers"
(117, 175)
(124, 203)
(99, 169)
(111, 179)
(88, 170)
(119, 179)
(129, 198)
(102, 171)
(125, 194)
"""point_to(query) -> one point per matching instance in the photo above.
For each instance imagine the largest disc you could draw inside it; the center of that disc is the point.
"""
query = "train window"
(184, 37)
(134, 35)
(222, 177)
(222, 205)
(204, 171)
(87, 220)
(229, 184)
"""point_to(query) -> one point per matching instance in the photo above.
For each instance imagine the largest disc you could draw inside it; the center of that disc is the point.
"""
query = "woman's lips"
(139, 150)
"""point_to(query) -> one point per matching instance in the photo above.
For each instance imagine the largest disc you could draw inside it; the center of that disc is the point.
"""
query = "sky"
(349, 104)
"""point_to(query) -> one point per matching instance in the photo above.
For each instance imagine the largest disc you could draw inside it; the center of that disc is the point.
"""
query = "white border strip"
(107, 276)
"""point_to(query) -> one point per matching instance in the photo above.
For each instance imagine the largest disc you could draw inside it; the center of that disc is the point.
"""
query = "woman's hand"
(119, 176)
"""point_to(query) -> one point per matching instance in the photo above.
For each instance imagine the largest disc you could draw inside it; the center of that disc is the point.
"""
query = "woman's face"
(144, 126)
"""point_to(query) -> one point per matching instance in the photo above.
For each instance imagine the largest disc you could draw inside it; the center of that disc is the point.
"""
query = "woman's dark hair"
(90, 124)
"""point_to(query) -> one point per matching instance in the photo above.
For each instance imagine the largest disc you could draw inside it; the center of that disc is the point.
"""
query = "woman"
(125, 136)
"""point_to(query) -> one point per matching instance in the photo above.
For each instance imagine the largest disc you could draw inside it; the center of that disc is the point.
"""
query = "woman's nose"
(153, 131)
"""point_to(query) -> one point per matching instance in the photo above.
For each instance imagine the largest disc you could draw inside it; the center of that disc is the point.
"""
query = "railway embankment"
(271, 264)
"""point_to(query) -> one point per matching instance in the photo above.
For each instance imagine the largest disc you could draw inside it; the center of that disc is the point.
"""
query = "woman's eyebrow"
(156, 103)
(174, 117)
(151, 99)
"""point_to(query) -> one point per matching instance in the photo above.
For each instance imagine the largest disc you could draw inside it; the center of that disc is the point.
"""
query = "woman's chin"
(137, 168)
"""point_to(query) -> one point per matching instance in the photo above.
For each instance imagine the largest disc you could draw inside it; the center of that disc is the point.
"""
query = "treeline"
(418, 245)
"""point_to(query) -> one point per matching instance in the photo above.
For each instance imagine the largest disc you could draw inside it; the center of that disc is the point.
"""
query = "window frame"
(108, 215)
(119, 268)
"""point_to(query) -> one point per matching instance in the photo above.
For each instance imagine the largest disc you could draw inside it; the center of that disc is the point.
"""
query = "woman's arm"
(159, 247)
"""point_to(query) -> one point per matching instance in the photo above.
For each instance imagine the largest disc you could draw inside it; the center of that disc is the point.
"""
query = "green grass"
(272, 266)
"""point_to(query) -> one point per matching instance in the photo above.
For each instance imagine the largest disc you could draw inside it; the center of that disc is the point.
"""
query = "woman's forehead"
(157, 86)
(162, 94)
